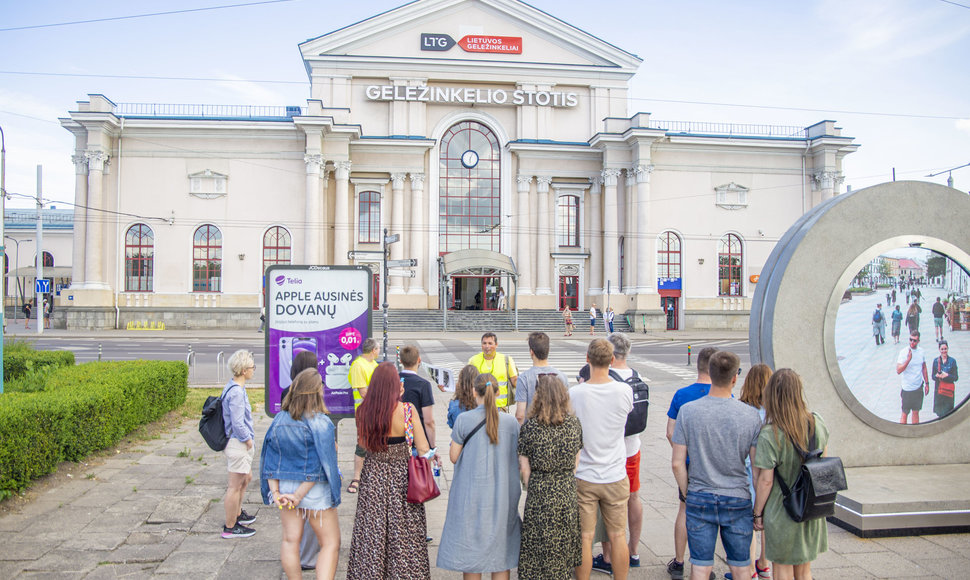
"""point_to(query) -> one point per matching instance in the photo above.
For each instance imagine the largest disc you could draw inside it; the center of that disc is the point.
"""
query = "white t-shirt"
(602, 409)
(633, 441)
(911, 379)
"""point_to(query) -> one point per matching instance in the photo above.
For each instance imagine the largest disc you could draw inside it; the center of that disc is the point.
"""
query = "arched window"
(48, 260)
(369, 218)
(469, 189)
(276, 247)
(668, 256)
(568, 217)
(207, 259)
(139, 259)
(730, 261)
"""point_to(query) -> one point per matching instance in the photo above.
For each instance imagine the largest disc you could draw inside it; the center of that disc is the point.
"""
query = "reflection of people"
(300, 445)
(897, 323)
(879, 325)
(944, 375)
(938, 312)
(791, 546)
(912, 317)
(911, 368)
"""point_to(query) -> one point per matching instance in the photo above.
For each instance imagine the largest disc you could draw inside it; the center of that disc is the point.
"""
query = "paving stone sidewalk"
(156, 511)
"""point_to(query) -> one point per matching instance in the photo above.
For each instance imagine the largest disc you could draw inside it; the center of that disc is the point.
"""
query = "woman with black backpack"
(790, 545)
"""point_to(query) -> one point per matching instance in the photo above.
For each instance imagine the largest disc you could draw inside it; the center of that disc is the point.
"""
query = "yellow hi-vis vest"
(360, 373)
(500, 369)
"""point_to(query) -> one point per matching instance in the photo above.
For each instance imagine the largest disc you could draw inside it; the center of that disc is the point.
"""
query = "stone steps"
(475, 321)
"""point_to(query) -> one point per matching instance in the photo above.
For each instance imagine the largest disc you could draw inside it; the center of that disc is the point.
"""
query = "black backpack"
(820, 479)
(212, 426)
(636, 421)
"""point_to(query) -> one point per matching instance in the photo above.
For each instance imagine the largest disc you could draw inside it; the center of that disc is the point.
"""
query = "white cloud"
(963, 125)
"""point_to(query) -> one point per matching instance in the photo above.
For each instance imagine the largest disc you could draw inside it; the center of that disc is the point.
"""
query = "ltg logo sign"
(473, 43)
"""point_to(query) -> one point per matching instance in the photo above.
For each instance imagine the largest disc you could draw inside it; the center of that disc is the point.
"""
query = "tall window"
(207, 259)
(369, 218)
(48, 260)
(139, 258)
(730, 260)
(469, 189)
(668, 255)
(276, 247)
(568, 217)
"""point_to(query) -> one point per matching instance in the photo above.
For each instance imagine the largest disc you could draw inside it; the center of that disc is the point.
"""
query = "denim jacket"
(300, 451)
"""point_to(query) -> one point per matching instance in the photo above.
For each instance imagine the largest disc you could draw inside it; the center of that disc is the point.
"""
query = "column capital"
(523, 182)
(342, 169)
(631, 179)
(80, 163)
(610, 175)
(825, 179)
(642, 173)
(313, 163)
(417, 180)
(542, 184)
(596, 185)
(96, 159)
(397, 181)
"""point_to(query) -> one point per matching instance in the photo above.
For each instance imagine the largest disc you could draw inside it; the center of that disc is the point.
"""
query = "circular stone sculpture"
(797, 299)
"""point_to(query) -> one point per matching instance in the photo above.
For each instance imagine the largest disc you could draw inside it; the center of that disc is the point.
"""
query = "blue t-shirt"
(686, 395)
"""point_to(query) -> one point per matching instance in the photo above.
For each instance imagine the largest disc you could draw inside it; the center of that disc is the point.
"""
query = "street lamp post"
(3, 212)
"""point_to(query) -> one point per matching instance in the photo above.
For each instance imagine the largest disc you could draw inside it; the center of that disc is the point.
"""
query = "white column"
(611, 254)
(543, 258)
(646, 259)
(94, 240)
(595, 228)
(523, 251)
(80, 217)
(312, 221)
(397, 227)
(631, 261)
(419, 234)
(343, 223)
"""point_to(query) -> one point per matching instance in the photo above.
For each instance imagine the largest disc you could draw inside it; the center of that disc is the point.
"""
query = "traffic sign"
(401, 273)
(407, 263)
(42, 285)
(364, 254)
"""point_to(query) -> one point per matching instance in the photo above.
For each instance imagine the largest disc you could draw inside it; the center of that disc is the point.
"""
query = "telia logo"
(280, 280)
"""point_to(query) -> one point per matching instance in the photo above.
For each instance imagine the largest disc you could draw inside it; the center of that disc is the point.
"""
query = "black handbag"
(820, 479)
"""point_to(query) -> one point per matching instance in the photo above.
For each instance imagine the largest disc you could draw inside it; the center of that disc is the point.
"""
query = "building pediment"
(463, 33)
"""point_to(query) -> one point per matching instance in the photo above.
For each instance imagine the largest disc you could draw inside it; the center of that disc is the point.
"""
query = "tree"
(935, 266)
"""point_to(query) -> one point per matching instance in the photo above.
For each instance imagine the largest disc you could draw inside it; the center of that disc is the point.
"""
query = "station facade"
(496, 140)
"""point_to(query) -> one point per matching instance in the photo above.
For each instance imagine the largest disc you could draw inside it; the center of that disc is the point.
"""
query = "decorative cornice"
(397, 181)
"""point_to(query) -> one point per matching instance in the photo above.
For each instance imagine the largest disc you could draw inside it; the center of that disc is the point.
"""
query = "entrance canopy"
(478, 263)
(475, 262)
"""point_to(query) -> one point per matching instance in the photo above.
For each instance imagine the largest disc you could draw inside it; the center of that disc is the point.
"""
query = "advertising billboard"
(324, 310)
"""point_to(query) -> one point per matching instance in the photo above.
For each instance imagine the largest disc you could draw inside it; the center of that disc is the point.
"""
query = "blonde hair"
(550, 406)
(486, 387)
(785, 407)
(753, 389)
(305, 397)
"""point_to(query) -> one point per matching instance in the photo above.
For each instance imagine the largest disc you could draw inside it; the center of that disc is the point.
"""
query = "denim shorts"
(706, 514)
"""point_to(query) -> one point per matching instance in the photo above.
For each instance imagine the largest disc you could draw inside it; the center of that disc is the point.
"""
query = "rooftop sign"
(473, 43)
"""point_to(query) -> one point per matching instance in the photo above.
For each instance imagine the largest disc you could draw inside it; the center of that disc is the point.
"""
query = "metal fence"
(704, 128)
(206, 111)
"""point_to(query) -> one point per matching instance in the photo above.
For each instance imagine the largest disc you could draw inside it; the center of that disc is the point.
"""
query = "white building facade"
(485, 127)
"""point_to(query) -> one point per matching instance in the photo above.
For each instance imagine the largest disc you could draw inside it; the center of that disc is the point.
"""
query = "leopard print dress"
(551, 547)
(389, 533)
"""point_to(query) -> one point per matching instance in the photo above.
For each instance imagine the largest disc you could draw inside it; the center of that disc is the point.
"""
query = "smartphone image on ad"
(290, 348)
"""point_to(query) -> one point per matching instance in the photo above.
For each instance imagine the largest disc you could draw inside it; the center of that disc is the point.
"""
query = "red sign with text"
(494, 44)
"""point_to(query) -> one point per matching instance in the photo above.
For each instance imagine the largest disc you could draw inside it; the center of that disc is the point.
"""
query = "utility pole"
(39, 260)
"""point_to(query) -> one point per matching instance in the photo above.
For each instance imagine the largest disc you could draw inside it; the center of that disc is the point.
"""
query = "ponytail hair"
(486, 387)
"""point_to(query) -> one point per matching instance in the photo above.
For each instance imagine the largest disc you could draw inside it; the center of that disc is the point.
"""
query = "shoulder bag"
(421, 483)
(812, 494)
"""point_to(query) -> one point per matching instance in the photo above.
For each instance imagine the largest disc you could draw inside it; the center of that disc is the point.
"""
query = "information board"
(320, 309)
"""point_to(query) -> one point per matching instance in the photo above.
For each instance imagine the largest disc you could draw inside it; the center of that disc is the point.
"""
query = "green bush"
(82, 409)
(20, 358)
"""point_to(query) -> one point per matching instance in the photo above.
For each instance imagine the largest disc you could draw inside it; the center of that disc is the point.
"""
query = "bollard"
(688, 355)
(99, 352)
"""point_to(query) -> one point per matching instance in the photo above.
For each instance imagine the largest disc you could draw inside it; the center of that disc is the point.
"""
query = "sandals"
(763, 573)
(354, 485)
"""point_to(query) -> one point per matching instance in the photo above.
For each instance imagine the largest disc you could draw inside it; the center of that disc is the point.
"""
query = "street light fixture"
(949, 172)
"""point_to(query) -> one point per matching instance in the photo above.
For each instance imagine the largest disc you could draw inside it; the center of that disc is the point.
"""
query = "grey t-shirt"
(525, 387)
(719, 434)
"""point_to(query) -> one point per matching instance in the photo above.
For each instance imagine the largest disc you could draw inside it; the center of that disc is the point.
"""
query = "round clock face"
(469, 159)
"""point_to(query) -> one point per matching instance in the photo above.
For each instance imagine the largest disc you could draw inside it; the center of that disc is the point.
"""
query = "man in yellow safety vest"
(498, 365)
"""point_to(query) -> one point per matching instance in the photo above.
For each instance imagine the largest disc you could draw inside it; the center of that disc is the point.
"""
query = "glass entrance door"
(569, 292)
(670, 307)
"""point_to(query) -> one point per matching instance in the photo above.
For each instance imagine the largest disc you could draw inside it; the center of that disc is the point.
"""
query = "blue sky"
(836, 59)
